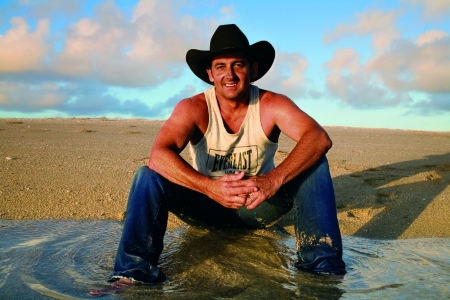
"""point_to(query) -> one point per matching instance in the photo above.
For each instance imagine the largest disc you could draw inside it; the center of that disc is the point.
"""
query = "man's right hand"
(230, 197)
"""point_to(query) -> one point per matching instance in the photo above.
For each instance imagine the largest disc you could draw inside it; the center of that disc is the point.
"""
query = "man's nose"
(230, 72)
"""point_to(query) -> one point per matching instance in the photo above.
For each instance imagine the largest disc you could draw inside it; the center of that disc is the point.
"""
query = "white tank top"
(220, 152)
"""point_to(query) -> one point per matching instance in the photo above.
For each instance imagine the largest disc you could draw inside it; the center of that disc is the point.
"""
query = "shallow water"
(65, 259)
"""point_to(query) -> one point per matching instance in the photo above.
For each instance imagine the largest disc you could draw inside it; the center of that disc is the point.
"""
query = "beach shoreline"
(390, 184)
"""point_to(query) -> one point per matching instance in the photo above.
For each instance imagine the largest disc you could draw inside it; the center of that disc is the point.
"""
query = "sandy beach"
(390, 184)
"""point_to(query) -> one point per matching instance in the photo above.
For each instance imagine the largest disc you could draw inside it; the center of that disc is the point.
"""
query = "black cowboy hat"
(226, 39)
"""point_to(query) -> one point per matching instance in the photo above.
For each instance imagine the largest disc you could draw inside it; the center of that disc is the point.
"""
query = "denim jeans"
(311, 195)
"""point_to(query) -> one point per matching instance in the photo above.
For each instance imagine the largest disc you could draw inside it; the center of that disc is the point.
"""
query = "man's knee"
(317, 175)
(321, 167)
(145, 171)
(145, 177)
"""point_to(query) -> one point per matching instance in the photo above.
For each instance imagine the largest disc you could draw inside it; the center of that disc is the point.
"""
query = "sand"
(390, 184)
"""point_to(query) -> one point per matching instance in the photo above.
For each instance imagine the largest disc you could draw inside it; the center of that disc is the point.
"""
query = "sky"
(373, 64)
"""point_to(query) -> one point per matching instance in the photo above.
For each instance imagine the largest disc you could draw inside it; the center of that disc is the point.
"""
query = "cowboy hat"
(226, 39)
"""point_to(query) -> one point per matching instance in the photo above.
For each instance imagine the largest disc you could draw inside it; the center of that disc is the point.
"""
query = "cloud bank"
(70, 72)
(398, 66)
(50, 64)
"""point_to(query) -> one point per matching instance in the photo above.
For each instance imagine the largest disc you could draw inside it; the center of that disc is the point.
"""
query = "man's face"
(231, 75)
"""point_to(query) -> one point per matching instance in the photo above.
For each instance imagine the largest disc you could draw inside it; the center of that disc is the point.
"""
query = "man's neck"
(233, 112)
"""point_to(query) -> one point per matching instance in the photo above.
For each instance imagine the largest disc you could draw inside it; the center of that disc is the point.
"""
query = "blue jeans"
(311, 195)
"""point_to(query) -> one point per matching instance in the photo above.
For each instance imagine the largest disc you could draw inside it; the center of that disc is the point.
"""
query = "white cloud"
(19, 96)
(356, 85)
(398, 67)
(433, 9)
(104, 49)
(145, 51)
(227, 10)
(287, 73)
(22, 50)
(80, 99)
(421, 66)
(430, 37)
(379, 25)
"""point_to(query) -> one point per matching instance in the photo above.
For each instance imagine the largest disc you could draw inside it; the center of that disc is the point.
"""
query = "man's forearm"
(308, 150)
(173, 167)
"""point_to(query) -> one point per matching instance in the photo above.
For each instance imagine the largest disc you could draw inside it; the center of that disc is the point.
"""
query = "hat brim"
(261, 52)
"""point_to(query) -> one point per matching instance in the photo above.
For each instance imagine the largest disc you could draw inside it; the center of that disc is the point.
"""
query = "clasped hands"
(237, 190)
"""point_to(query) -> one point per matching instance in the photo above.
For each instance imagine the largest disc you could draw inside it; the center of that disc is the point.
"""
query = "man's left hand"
(267, 187)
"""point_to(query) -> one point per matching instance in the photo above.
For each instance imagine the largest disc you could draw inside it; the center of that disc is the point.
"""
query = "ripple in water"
(66, 259)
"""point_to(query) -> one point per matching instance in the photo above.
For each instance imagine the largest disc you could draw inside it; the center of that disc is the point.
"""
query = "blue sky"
(382, 64)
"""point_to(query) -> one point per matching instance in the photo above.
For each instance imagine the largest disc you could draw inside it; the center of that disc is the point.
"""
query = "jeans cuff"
(154, 276)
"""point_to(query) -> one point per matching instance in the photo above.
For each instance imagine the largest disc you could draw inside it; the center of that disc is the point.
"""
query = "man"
(232, 129)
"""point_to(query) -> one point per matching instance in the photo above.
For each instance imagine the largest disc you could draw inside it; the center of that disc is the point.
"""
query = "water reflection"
(66, 259)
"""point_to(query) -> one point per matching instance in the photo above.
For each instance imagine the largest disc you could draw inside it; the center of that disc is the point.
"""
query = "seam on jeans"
(150, 238)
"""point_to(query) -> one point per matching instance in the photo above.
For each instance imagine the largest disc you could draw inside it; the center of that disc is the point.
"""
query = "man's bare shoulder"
(271, 102)
(192, 114)
(270, 97)
(196, 101)
(191, 107)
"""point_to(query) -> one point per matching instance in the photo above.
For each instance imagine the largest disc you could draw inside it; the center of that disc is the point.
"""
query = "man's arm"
(312, 141)
(279, 113)
(186, 121)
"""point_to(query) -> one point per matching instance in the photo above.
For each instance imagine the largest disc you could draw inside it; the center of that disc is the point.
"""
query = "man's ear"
(210, 75)
(254, 70)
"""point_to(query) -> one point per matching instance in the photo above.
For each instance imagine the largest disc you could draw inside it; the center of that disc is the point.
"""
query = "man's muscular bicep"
(286, 116)
(177, 131)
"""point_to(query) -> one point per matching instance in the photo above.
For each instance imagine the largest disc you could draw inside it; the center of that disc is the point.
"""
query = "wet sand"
(390, 184)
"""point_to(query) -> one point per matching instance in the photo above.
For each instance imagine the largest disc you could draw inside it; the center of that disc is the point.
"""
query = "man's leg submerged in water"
(319, 244)
(151, 197)
(318, 237)
(141, 243)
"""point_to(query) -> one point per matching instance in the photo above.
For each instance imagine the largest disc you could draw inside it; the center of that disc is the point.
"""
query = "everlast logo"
(236, 159)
